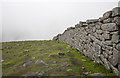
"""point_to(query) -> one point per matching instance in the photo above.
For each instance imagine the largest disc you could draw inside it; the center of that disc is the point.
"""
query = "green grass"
(14, 57)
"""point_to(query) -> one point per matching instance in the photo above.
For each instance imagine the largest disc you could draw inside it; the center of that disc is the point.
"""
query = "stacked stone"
(99, 39)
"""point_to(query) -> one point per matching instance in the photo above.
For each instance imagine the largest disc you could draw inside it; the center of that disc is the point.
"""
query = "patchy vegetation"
(46, 58)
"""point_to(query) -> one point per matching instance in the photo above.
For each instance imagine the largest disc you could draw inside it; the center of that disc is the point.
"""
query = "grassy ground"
(43, 59)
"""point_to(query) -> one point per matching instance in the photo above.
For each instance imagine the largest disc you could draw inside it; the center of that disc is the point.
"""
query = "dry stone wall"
(99, 39)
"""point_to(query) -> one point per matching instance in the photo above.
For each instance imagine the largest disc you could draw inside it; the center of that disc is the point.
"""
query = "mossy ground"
(15, 54)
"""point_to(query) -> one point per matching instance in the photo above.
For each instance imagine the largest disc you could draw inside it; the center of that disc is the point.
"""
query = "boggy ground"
(41, 58)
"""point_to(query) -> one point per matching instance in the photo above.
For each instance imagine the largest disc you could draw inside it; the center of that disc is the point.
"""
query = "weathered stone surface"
(109, 27)
(115, 57)
(107, 15)
(115, 38)
(105, 62)
(119, 67)
(106, 36)
(99, 31)
(97, 75)
(109, 20)
(92, 21)
(97, 39)
(118, 46)
(116, 11)
(117, 20)
(27, 63)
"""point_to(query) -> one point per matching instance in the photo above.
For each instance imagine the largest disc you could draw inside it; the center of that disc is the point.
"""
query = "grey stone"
(115, 57)
(106, 64)
(115, 70)
(108, 14)
(106, 36)
(92, 21)
(109, 27)
(116, 11)
(115, 38)
(69, 70)
(40, 61)
(117, 20)
(99, 31)
(27, 63)
(119, 67)
(97, 74)
(118, 46)
(109, 42)
(109, 20)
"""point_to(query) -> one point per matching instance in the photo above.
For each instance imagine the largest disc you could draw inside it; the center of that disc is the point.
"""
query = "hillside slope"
(47, 58)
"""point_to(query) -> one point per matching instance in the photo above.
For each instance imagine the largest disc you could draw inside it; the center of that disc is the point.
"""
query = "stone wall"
(99, 39)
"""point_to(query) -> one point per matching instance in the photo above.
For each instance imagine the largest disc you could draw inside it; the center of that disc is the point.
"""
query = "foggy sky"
(43, 20)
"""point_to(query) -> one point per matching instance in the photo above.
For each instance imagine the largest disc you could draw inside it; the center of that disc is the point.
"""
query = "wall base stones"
(99, 39)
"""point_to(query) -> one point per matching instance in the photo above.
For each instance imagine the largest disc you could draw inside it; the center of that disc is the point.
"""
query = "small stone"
(41, 73)
(97, 74)
(27, 63)
(83, 60)
(26, 50)
(83, 68)
(40, 61)
(1, 61)
(52, 55)
(116, 11)
(33, 57)
(54, 61)
(69, 69)
(68, 65)
(61, 53)
(86, 73)
(68, 51)
(26, 55)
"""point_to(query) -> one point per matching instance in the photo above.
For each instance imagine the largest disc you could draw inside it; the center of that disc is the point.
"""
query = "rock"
(83, 23)
(116, 11)
(68, 65)
(109, 20)
(117, 20)
(68, 51)
(115, 38)
(40, 61)
(26, 55)
(115, 57)
(115, 70)
(33, 57)
(85, 73)
(26, 50)
(61, 53)
(109, 27)
(41, 73)
(97, 74)
(99, 31)
(108, 14)
(83, 60)
(69, 70)
(119, 66)
(83, 68)
(27, 63)
(118, 46)
(52, 55)
(1, 61)
(105, 62)
(92, 21)
(54, 61)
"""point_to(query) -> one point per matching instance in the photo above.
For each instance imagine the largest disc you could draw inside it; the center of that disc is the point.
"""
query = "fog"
(42, 20)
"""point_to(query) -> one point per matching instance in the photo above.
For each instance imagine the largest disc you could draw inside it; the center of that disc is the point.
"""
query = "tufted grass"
(14, 57)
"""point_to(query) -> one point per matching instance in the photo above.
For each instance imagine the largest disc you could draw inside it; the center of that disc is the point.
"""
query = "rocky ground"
(47, 58)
